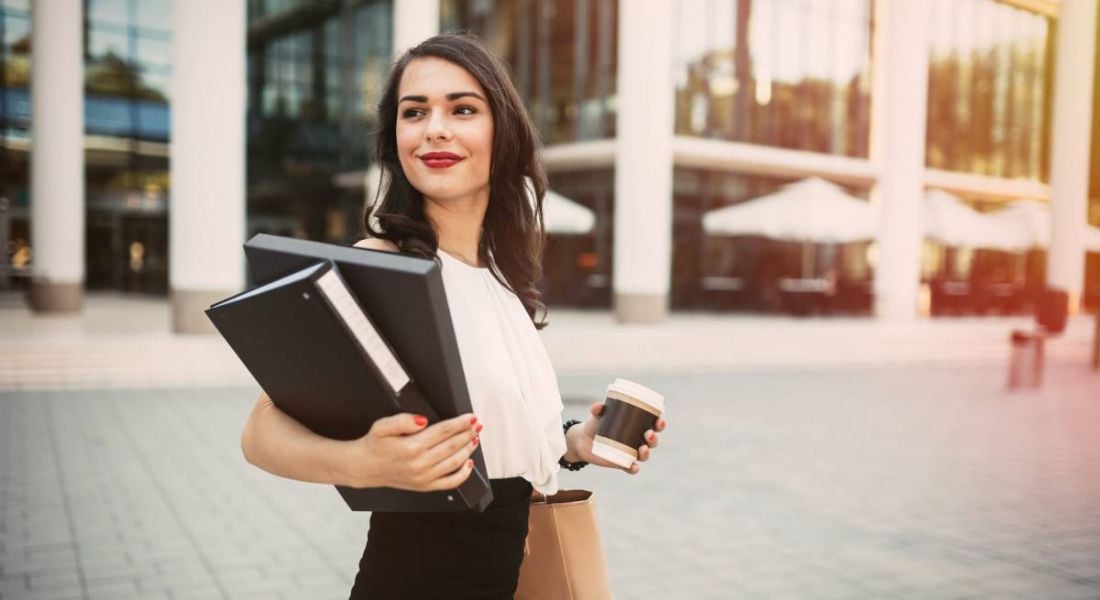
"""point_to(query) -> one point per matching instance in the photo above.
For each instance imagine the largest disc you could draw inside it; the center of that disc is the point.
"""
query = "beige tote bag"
(564, 558)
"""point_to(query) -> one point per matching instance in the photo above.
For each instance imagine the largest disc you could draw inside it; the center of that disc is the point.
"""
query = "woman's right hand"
(402, 452)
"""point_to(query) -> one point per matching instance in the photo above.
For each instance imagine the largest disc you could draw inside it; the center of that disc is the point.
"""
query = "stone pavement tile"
(252, 583)
(828, 485)
(14, 585)
(335, 590)
(59, 594)
(55, 579)
(123, 587)
(196, 592)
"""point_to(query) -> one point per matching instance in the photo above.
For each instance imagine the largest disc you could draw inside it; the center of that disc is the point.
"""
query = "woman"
(456, 147)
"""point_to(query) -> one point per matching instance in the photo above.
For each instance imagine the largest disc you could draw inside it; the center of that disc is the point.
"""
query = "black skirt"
(449, 555)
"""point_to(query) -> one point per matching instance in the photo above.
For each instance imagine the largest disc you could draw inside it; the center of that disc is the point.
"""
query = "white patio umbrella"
(563, 216)
(810, 210)
(1026, 223)
(948, 220)
(1092, 239)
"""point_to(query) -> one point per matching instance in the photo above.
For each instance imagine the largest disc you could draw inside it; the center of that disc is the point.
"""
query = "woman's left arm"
(578, 441)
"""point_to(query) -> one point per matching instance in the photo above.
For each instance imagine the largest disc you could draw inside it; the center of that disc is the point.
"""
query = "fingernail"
(473, 442)
(479, 427)
(469, 464)
(473, 420)
(420, 420)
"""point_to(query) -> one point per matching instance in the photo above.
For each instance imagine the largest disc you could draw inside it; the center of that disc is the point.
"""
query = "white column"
(1069, 157)
(207, 201)
(899, 109)
(57, 156)
(643, 162)
(413, 22)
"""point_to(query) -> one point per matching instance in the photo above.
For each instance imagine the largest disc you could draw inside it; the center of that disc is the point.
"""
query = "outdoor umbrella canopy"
(810, 210)
(562, 215)
(948, 220)
(1026, 223)
(1092, 239)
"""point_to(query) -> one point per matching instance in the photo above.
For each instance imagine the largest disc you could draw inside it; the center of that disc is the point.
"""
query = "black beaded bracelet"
(572, 466)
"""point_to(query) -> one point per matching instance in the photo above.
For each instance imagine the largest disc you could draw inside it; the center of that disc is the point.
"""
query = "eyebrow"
(450, 97)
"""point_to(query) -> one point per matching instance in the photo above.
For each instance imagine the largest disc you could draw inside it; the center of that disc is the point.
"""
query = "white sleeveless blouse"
(512, 384)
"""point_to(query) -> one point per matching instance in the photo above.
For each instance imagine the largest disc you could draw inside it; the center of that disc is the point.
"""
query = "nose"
(437, 128)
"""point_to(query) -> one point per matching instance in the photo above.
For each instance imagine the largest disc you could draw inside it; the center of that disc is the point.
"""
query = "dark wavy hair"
(513, 234)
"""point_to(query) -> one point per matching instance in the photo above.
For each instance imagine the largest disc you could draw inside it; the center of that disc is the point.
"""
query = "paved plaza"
(875, 482)
(806, 458)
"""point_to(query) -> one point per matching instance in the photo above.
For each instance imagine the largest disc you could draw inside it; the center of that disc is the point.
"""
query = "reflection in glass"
(109, 11)
(563, 54)
(988, 89)
(154, 52)
(313, 84)
(786, 73)
(752, 272)
(154, 14)
(108, 42)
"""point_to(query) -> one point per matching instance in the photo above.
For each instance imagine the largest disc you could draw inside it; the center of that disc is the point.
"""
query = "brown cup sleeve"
(625, 423)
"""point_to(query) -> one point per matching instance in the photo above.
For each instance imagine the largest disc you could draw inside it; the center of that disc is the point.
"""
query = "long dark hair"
(513, 234)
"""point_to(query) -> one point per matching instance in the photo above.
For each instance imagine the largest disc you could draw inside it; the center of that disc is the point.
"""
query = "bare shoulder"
(376, 244)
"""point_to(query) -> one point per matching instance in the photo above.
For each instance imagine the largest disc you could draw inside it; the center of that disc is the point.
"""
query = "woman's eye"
(411, 113)
(465, 110)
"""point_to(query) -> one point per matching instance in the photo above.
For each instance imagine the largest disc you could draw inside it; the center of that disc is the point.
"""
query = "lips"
(440, 160)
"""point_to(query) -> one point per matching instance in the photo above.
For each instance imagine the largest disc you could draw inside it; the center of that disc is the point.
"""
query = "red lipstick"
(440, 160)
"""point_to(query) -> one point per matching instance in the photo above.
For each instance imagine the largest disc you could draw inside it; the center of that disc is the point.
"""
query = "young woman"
(456, 148)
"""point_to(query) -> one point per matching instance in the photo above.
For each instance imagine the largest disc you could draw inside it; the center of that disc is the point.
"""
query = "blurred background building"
(794, 156)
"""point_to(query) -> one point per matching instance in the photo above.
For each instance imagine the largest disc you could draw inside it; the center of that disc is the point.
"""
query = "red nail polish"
(473, 420)
(420, 420)
(474, 442)
(479, 427)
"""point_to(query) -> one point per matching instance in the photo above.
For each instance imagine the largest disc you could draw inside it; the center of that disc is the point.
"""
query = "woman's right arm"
(398, 451)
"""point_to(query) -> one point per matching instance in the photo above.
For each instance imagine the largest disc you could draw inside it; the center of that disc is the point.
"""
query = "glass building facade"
(989, 87)
(563, 54)
(782, 73)
(779, 74)
(314, 74)
(127, 68)
(791, 76)
(127, 73)
(564, 60)
(15, 37)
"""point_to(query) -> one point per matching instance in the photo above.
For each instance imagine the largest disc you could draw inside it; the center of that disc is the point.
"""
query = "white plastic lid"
(639, 391)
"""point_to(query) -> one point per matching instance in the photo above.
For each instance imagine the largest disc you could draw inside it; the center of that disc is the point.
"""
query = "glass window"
(751, 272)
(787, 73)
(17, 29)
(988, 89)
(155, 14)
(153, 51)
(313, 83)
(109, 11)
(563, 55)
(108, 42)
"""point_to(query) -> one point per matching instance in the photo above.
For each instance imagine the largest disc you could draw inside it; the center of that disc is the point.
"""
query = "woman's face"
(444, 130)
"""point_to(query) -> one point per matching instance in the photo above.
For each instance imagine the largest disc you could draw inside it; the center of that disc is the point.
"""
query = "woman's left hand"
(578, 441)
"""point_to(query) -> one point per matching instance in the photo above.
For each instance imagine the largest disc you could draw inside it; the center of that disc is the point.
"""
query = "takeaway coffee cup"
(629, 411)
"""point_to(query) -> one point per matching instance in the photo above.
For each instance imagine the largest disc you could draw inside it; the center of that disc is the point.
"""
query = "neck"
(458, 223)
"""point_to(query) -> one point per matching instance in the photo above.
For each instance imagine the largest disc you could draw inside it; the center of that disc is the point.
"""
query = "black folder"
(405, 300)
